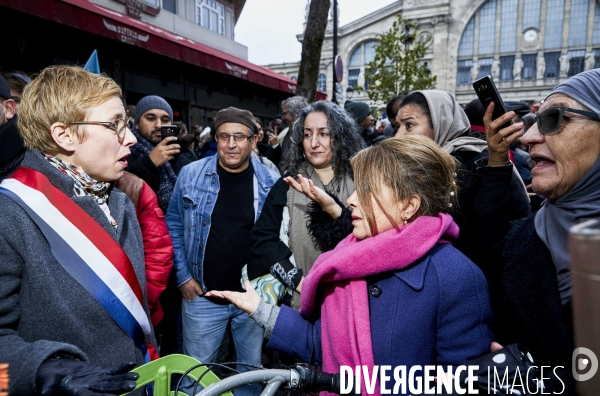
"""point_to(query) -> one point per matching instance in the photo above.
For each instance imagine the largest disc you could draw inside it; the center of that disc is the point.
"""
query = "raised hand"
(499, 141)
(321, 198)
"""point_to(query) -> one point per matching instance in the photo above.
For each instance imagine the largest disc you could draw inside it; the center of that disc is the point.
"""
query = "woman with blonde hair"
(72, 285)
(399, 251)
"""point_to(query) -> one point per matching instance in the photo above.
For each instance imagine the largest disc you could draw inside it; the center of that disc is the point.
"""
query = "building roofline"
(384, 12)
(369, 19)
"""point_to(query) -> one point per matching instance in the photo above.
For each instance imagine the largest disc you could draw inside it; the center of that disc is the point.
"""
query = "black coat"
(463, 214)
(12, 149)
(522, 280)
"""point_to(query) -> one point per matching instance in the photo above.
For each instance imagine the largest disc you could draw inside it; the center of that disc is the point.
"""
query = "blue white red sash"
(86, 251)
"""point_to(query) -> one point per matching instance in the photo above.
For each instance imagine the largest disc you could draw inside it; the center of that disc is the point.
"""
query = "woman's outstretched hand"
(321, 198)
(247, 302)
(500, 140)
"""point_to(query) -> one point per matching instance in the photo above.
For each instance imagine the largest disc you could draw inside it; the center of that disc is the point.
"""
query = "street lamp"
(349, 92)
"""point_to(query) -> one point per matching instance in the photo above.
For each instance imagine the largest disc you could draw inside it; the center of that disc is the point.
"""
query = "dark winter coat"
(463, 214)
(522, 279)
(12, 148)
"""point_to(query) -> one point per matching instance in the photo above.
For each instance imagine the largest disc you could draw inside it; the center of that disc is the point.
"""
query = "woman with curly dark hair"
(322, 140)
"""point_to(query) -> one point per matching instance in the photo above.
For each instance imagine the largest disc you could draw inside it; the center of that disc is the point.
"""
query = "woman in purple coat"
(394, 292)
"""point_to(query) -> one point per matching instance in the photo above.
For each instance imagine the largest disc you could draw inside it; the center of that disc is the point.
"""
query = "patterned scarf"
(166, 175)
(85, 185)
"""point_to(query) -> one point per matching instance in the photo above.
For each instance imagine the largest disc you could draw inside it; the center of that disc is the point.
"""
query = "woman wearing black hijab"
(528, 267)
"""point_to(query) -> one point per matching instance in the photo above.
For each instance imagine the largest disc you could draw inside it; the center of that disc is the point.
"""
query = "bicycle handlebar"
(317, 381)
(301, 378)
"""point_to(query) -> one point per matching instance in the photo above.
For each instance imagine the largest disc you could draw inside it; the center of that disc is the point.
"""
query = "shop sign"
(236, 70)
(127, 35)
(136, 7)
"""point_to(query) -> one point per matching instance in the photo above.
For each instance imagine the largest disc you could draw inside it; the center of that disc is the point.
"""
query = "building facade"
(182, 50)
(527, 46)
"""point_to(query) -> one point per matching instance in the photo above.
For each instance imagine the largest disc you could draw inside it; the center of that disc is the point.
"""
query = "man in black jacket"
(11, 144)
(153, 159)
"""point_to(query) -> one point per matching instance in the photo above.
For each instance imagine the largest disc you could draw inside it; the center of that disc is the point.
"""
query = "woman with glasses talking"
(528, 266)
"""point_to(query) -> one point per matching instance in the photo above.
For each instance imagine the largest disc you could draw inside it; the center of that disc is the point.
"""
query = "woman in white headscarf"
(436, 115)
(528, 261)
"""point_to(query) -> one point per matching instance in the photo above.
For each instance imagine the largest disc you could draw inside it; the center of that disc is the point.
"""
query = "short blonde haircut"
(405, 166)
(60, 94)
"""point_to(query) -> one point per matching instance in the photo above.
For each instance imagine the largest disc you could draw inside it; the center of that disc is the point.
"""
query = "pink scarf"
(337, 282)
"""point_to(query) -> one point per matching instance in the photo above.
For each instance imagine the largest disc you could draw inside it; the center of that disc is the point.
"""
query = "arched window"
(362, 54)
(495, 34)
(354, 64)
(322, 83)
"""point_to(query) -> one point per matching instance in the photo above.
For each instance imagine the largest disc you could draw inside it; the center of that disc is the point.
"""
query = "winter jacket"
(468, 181)
(522, 279)
(158, 249)
(444, 317)
(44, 310)
(12, 149)
(189, 154)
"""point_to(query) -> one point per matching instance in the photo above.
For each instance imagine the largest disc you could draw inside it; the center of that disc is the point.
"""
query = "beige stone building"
(528, 46)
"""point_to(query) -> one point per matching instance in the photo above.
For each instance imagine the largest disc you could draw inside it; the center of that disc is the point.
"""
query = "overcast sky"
(269, 27)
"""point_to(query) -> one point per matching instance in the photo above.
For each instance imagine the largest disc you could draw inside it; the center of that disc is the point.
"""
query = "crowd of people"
(436, 239)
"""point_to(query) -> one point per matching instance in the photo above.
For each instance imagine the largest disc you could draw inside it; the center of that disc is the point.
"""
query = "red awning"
(93, 18)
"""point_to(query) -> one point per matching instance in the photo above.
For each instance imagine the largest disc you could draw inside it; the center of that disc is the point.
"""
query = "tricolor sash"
(86, 251)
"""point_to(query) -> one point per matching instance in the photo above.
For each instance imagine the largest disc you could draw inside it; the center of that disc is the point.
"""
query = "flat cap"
(233, 114)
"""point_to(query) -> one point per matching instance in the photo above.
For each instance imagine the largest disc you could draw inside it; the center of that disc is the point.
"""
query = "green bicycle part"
(160, 371)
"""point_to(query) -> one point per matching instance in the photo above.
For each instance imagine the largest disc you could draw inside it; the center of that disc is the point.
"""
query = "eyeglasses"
(119, 126)
(238, 137)
(549, 120)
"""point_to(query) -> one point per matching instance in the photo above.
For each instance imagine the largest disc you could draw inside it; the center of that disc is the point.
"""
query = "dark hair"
(181, 127)
(186, 140)
(418, 99)
(475, 112)
(389, 108)
(345, 138)
(16, 81)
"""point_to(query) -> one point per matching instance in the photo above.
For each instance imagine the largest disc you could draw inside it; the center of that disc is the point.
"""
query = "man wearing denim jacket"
(212, 210)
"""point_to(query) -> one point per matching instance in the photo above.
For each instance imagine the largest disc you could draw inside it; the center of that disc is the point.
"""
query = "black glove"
(71, 377)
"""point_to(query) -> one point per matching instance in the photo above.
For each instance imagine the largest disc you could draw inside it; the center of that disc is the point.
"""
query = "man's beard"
(152, 138)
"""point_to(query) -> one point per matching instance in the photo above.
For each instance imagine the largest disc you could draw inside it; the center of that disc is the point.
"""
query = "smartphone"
(487, 92)
(168, 130)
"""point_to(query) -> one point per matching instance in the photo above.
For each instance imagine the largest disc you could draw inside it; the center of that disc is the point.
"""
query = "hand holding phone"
(168, 149)
(487, 92)
(499, 137)
(167, 131)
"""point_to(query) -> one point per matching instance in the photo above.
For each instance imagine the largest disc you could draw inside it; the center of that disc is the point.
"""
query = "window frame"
(211, 7)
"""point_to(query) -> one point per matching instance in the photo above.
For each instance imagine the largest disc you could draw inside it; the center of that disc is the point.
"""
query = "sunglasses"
(549, 120)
